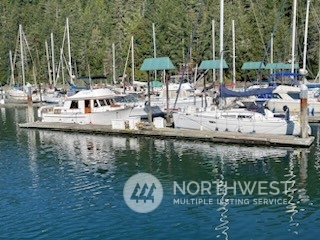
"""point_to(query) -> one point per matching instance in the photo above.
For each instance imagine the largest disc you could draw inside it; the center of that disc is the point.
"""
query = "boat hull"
(17, 96)
(98, 118)
(276, 106)
(202, 122)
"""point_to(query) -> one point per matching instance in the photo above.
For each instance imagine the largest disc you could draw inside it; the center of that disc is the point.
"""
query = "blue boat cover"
(313, 85)
(285, 74)
(225, 92)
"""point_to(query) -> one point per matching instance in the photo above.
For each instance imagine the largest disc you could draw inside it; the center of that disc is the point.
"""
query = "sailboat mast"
(221, 40)
(304, 67)
(213, 51)
(53, 63)
(125, 69)
(48, 62)
(113, 64)
(69, 52)
(11, 68)
(293, 35)
(233, 56)
(62, 67)
(271, 53)
(22, 56)
(132, 59)
(154, 48)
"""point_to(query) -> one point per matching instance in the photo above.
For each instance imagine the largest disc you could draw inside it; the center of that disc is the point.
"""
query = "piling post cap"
(303, 91)
(303, 87)
(303, 72)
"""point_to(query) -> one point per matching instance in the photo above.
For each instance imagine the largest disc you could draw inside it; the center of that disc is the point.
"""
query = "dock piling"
(304, 110)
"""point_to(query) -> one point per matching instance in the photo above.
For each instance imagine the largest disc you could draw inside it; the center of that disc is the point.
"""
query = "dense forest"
(183, 32)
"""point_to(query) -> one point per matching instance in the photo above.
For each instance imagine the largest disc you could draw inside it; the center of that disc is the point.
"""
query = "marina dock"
(182, 134)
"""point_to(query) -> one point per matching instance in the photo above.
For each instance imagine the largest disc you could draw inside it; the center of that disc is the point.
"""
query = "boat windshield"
(294, 95)
(125, 99)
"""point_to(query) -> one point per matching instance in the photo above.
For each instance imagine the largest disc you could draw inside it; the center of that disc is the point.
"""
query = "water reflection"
(296, 192)
(32, 150)
(73, 170)
(3, 114)
(30, 114)
(222, 209)
(96, 153)
(226, 158)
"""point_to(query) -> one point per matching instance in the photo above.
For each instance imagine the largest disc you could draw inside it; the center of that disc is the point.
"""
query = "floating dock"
(194, 135)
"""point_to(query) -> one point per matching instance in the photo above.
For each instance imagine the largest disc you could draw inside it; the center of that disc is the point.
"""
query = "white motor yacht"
(96, 106)
(289, 96)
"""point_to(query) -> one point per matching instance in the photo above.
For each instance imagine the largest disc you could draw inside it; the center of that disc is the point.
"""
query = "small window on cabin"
(276, 96)
(294, 95)
(95, 103)
(111, 102)
(120, 99)
(74, 105)
(102, 102)
(108, 101)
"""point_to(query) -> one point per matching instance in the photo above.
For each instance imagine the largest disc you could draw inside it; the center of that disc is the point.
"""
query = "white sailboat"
(19, 92)
(237, 120)
(289, 96)
(53, 94)
(187, 97)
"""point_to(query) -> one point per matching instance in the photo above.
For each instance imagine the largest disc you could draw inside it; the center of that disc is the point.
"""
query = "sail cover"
(225, 92)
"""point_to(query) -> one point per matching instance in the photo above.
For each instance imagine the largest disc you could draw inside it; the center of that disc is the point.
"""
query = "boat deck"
(194, 135)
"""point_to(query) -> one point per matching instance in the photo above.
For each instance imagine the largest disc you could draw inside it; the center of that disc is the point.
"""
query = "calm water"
(58, 185)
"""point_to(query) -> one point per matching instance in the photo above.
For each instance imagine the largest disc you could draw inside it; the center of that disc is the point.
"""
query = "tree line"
(183, 31)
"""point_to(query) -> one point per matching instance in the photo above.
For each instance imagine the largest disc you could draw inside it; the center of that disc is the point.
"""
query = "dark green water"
(58, 185)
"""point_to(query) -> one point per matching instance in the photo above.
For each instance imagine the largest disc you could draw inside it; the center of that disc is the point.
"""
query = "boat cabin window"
(125, 99)
(231, 116)
(244, 117)
(294, 95)
(102, 102)
(120, 99)
(110, 101)
(74, 105)
(276, 96)
(95, 103)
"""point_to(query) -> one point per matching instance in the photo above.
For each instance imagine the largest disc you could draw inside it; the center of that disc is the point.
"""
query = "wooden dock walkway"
(195, 135)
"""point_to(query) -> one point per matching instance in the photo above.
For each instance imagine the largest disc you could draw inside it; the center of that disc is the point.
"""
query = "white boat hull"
(142, 112)
(18, 96)
(206, 122)
(99, 118)
(276, 106)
